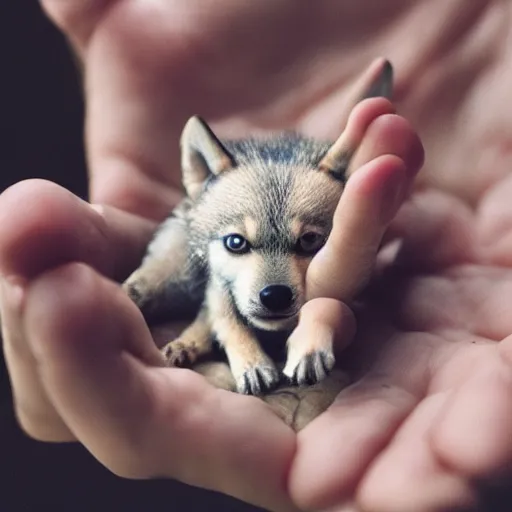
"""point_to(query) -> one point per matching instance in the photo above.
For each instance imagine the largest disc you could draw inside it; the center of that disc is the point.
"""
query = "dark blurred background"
(41, 127)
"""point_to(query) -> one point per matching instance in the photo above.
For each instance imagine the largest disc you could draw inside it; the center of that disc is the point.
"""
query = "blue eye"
(236, 244)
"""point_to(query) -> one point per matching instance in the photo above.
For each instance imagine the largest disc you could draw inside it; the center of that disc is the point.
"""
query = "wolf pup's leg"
(254, 372)
(310, 355)
(194, 342)
(165, 286)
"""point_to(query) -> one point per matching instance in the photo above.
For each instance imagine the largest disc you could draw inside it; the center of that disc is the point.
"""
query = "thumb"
(54, 227)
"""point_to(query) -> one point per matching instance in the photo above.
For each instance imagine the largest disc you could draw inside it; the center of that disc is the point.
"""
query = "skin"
(428, 418)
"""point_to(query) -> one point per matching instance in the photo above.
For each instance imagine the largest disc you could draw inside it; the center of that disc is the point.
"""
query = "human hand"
(426, 425)
(140, 99)
(77, 348)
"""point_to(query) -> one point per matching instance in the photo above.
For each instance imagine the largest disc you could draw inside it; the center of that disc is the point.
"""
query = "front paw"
(310, 368)
(257, 379)
(179, 354)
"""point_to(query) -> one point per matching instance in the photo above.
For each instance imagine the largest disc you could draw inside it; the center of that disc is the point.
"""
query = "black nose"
(276, 297)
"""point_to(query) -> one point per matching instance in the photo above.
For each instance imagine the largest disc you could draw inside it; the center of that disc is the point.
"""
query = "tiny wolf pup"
(236, 250)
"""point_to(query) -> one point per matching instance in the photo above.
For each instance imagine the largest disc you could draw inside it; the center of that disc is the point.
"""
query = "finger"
(390, 134)
(143, 58)
(127, 237)
(407, 475)
(34, 411)
(469, 295)
(342, 442)
(138, 419)
(371, 198)
(435, 230)
(132, 146)
(472, 435)
(344, 264)
(343, 149)
(53, 226)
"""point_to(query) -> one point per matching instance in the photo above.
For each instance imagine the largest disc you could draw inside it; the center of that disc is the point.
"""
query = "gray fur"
(272, 191)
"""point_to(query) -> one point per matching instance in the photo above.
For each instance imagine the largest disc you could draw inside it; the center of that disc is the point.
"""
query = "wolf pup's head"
(262, 208)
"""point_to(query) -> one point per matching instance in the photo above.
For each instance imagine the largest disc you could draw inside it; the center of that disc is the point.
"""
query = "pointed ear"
(202, 155)
(376, 81)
